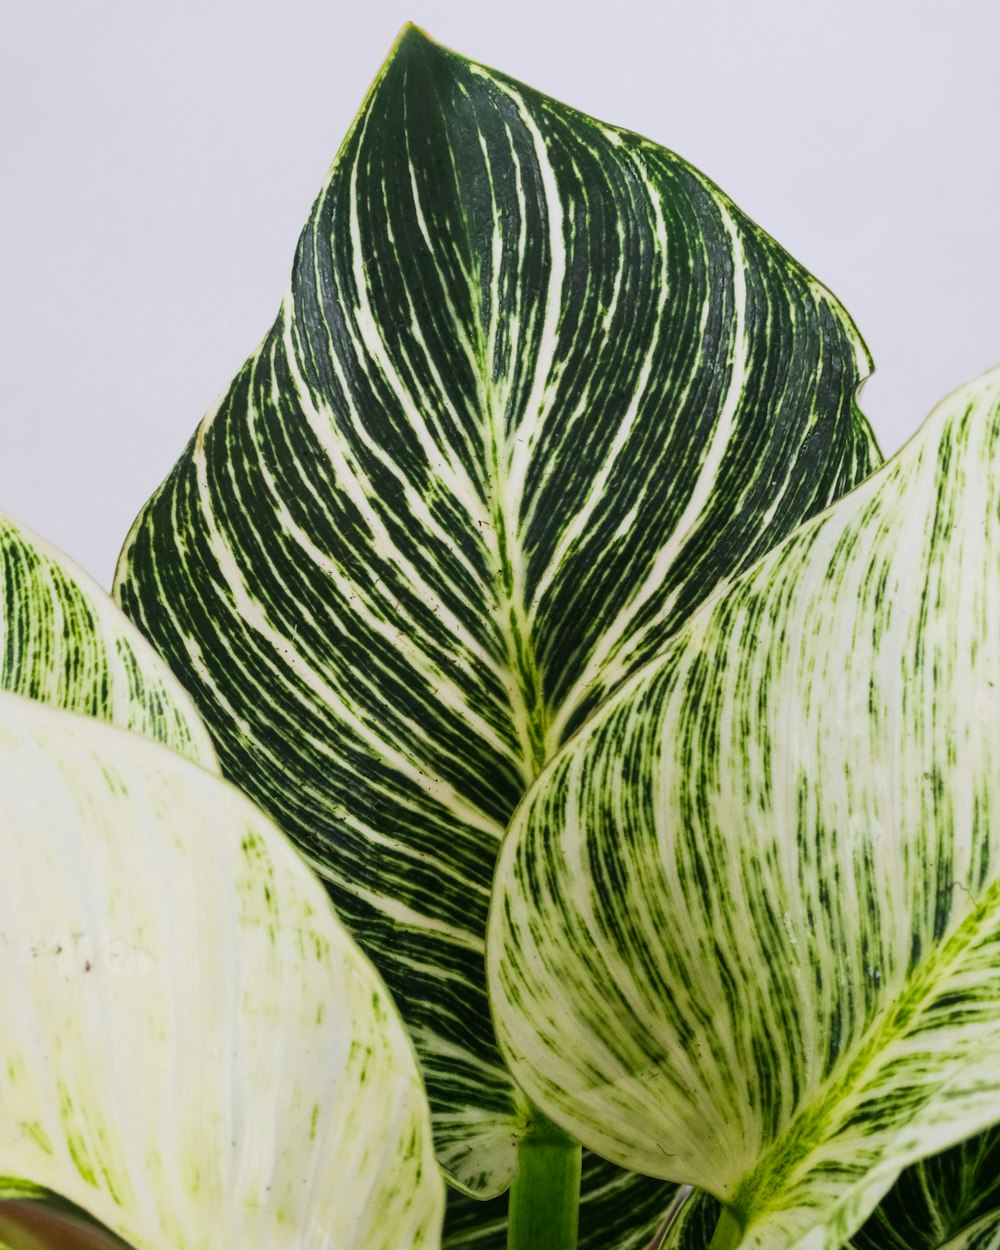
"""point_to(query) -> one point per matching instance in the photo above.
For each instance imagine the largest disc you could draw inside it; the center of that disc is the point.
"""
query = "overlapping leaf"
(691, 1224)
(948, 1202)
(64, 642)
(536, 388)
(746, 930)
(193, 1048)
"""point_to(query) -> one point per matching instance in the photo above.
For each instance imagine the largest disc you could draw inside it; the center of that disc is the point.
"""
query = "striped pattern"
(65, 643)
(746, 928)
(983, 1235)
(693, 1224)
(948, 1202)
(618, 1211)
(537, 386)
(193, 1049)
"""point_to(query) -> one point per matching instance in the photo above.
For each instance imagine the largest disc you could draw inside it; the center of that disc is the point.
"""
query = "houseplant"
(538, 390)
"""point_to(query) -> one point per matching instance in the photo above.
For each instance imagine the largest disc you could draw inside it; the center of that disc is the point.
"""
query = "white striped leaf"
(537, 386)
(948, 1202)
(193, 1049)
(983, 1235)
(64, 642)
(746, 929)
(691, 1227)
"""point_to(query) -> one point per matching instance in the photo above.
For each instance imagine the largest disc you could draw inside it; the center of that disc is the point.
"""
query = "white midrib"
(871, 1055)
(507, 457)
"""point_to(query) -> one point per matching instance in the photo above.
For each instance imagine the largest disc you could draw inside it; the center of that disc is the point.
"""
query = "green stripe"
(746, 930)
(536, 388)
(193, 1049)
(948, 1202)
(64, 643)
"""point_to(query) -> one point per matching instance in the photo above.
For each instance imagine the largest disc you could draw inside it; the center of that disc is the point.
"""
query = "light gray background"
(157, 161)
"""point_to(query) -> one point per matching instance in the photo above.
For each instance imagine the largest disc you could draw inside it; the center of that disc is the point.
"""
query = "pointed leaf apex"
(412, 39)
(413, 33)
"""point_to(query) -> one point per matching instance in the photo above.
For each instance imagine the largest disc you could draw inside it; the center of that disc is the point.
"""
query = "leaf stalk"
(544, 1210)
(728, 1232)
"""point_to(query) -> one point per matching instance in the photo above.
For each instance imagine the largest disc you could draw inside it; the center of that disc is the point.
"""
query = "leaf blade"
(65, 643)
(948, 1202)
(782, 869)
(492, 451)
(299, 1114)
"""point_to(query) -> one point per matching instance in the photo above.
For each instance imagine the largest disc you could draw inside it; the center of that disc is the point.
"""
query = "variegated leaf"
(64, 642)
(193, 1050)
(691, 1224)
(983, 1235)
(537, 386)
(746, 929)
(948, 1202)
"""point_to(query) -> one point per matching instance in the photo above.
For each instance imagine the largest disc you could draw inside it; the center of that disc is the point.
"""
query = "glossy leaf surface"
(746, 930)
(537, 386)
(194, 1050)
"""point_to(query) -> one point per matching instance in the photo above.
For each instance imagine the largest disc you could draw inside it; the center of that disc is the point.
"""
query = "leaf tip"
(411, 38)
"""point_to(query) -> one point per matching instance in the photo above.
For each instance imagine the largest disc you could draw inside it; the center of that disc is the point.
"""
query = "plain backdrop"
(157, 162)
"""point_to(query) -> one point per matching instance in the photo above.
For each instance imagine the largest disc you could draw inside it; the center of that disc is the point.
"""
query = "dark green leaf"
(536, 388)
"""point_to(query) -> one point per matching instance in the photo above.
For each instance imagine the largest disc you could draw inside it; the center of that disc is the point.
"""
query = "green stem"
(544, 1209)
(728, 1232)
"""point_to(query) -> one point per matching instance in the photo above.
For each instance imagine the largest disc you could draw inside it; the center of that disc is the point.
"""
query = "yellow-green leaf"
(193, 1049)
(746, 927)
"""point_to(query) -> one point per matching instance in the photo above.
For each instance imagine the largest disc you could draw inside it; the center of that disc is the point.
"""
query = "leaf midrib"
(814, 1123)
(521, 662)
(530, 714)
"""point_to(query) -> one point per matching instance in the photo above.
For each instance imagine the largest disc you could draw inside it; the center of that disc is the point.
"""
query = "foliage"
(546, 503)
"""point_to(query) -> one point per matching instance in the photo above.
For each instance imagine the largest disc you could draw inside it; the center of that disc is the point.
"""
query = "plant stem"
(544, 1209)
(728, 1232)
